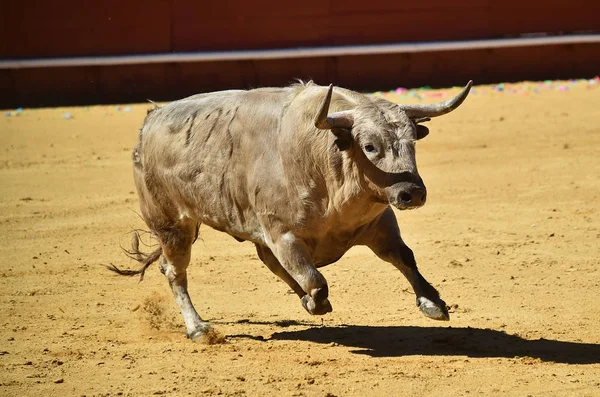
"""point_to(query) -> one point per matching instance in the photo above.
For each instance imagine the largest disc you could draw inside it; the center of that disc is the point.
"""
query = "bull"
(303, 172)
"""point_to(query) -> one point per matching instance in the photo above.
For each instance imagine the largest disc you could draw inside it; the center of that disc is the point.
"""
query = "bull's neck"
(346, 186)
(330, 176)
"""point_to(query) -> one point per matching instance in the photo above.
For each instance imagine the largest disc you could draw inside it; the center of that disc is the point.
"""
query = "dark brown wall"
(42, 28)
(58, 28)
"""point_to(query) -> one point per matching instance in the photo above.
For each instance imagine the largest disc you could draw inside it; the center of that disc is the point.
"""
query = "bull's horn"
(437, 109)
(323, 121)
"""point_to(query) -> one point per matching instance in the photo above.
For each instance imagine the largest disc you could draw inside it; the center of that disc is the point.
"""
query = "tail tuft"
(146, 259)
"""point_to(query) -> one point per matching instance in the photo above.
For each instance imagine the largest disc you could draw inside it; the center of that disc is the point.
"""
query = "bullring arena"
(509, 235)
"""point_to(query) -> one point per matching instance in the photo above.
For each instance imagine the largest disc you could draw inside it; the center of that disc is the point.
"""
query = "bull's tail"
(146, 259)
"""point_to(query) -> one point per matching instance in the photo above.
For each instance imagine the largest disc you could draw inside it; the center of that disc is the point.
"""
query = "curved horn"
(323, 121)
(437, 109)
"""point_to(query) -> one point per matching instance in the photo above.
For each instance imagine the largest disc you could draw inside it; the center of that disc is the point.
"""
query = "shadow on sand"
(395, 341)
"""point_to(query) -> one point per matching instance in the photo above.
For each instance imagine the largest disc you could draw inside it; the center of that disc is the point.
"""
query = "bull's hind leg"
(176, 242)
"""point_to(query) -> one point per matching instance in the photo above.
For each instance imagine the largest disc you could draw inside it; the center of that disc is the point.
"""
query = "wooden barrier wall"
(60, 28)
(42, 28)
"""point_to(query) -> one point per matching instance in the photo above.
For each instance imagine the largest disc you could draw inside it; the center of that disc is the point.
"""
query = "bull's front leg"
(428, 298)
(292, 255)
(385, 241)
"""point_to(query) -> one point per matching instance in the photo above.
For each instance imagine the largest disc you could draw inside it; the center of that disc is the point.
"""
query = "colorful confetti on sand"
(521, 88)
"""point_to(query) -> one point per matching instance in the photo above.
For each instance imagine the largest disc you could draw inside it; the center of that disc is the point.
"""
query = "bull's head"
(382, 136)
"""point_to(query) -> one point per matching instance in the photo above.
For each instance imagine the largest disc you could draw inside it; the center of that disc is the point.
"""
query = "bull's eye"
(370, 148)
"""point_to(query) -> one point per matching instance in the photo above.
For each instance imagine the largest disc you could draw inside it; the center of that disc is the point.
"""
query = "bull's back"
(202, 156)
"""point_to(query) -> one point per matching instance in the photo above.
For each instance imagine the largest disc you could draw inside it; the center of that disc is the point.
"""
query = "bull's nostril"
(405, 198)
(424, 197)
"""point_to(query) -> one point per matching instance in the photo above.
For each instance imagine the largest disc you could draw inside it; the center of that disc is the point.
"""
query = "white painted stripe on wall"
(307, 52)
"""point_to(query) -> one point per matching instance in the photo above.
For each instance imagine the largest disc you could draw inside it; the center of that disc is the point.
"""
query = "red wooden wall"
(59, 28)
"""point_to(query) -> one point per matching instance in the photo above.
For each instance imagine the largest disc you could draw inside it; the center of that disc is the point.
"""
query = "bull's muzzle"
(410, 197)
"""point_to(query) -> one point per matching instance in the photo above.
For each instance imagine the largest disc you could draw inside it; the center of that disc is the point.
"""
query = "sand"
(510, 236)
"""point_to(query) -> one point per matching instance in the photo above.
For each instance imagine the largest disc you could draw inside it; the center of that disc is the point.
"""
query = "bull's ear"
(422, 131)
(343, 138)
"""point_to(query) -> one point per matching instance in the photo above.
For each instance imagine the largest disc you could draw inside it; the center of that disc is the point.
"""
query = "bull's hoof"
(206, 334)
(434, 310)
(316, 308)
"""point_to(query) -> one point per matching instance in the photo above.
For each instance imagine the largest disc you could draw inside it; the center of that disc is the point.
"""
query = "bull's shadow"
(395, 341)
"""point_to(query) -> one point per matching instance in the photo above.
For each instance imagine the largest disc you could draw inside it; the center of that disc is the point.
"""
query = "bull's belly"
(240, 220)
(240, 226)
(326, 252)
(326, 260)
(248, 228)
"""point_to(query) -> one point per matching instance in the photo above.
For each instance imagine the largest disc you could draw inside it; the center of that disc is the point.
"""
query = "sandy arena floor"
(510, 236)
